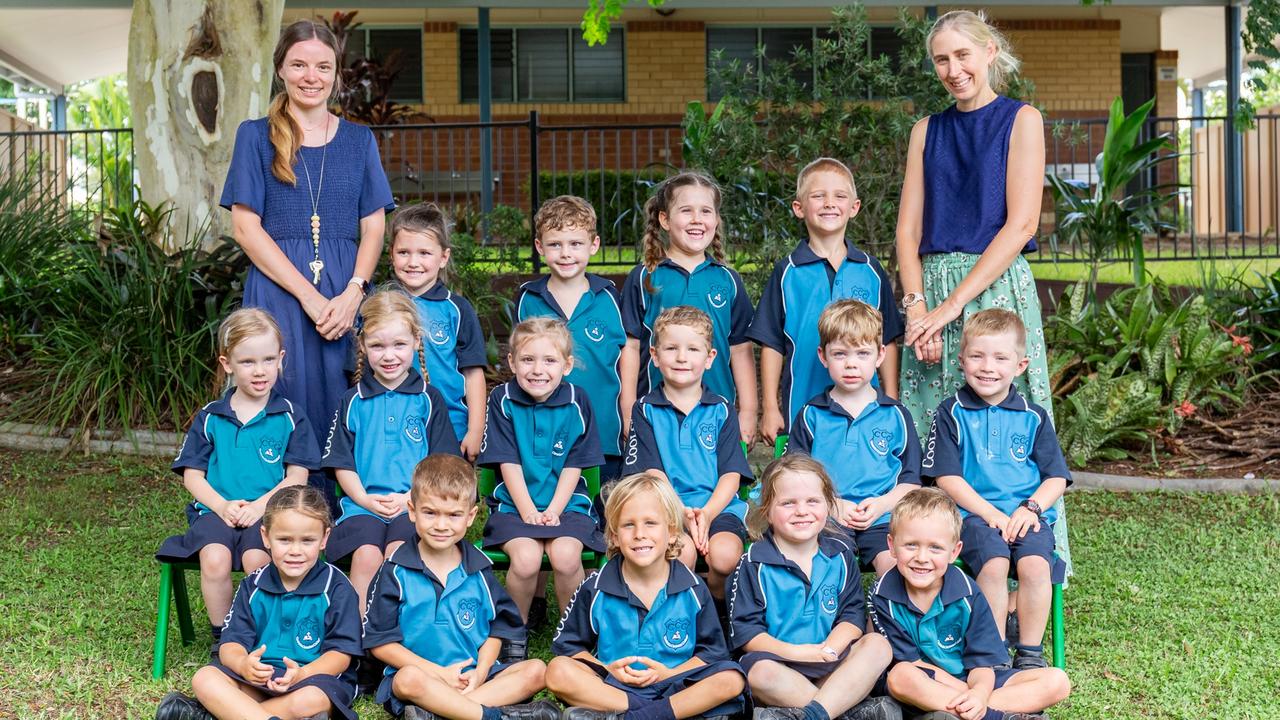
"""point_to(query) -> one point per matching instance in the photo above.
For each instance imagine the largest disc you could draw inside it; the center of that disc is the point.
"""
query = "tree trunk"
(196, 70)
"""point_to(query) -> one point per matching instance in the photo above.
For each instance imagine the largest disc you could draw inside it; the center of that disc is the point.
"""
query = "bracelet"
(360, 283)
(1033, 506)
(828, 650)
(911, 299)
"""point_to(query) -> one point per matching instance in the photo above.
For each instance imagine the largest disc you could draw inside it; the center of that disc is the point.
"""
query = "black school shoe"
(176, 706)
(513, 651)
(1029, 661)
(580, 713)
(774, 712)
(537, 615)
(413, 712)
(540, 710)
(874, 708)
(937, 715)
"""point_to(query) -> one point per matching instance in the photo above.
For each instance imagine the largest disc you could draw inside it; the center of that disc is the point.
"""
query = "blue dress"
(354, 187)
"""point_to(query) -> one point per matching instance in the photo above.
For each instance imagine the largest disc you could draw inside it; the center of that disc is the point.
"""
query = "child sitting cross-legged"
(798, 608)
(951, 661)
(996, 454)
(641, 640)
(437, 615)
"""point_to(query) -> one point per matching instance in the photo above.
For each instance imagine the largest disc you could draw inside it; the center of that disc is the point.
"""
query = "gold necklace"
(317, 264)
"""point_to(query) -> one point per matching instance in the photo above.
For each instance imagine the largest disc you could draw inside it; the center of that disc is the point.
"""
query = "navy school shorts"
(983, 543)
(395, 706)
(341, 691)
(209, 529)
(503, 527)
(666, 688)
(358, 530)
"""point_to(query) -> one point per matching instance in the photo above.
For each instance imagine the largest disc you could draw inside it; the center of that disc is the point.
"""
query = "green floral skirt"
(923, 387)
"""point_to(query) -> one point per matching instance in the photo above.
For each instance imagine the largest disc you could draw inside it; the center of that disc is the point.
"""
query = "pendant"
(316, 266)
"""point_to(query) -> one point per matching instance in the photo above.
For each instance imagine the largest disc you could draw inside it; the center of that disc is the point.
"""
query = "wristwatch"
(1033, 506)
(360, 283)
(912, 298)
(828, 650)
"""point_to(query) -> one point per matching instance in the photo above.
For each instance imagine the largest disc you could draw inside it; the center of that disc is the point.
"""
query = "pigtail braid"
(359, 372)
(654, 248)
(422, 360)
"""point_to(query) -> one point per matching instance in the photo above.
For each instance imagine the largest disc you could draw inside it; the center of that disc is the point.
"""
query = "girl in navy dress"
(240, 450)
(384, 425)
(688, 268)
(539, 436)
(797, 606)
(308, 199)
(289, 639)
(452, 339)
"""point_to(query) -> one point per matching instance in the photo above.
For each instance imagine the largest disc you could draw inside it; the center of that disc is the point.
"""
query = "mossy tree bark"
(196, 70)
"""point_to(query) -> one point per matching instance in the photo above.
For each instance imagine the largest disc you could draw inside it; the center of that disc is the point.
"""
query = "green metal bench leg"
(162, 622)
(183, 602)
(1059, 630)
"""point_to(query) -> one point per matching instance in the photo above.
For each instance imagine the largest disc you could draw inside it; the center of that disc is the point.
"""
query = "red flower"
(1185, 410)
(1240, 341)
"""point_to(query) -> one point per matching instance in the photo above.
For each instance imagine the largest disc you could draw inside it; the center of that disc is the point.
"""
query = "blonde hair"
(285, 132)
(655, 247)
(536, 327)
(423, 219)
(237, 327)
(632, 486)
(850, 321)
(686, 316)
(564, 212)
(825, 164)
(799, 463)
(445, 476)
(979, 31)
(995, 321)
(929, 502)
(381, 308)
(302, 499)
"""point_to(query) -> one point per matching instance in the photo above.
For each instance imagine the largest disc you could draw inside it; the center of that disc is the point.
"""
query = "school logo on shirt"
(829, 599)
(271, 450)
(675, 633)
(1018, 447)
(950, 637)
(860, 293)
(718, 296)
(707, 435)
(594, 330)
(414, 429)
(560, 445)
(879, 441)
(309, 634)
(468, 611)
(438, 332)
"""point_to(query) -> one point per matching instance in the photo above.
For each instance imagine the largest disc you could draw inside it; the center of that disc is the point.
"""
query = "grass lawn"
(1192, 273)
(1173, 614)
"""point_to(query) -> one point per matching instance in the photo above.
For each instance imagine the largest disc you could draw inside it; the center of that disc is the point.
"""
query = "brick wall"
(1075, 64)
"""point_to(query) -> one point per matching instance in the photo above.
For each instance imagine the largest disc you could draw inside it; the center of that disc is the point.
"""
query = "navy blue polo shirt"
(800, 288)
(865, 456)
(957, 633)
(444, 621)
(608, 621)
(453, 341)
(712, 287)
(411, 421)
(245, 461)
(694, 450)
(1003, 451)
(543, 438)
(320, 615)
(770, 594)
(598, 339)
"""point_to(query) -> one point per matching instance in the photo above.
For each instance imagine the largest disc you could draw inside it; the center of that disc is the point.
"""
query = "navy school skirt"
(209, 529)
(503, 527)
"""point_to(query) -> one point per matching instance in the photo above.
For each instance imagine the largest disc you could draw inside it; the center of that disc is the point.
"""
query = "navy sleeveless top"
(965, 158)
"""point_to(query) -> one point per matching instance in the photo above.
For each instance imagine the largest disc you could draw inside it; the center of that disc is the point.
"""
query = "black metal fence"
(522, 162)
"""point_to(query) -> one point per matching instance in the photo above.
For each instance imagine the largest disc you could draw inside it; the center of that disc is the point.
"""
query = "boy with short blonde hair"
(949, 655)
(825, 267)
(868, 440)
(997, 455)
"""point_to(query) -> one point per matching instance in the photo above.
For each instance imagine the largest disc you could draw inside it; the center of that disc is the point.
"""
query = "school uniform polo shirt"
(452, 341)
(543, 438)
(865, 456)
(598, 339)
(771, 594)
(1003, 451)
(381, 434)
(694, 450)
(320, 615)
(245, 461)
(957, 632)
(608, 621)
(712, 287)
(801, 286)
(444, 621)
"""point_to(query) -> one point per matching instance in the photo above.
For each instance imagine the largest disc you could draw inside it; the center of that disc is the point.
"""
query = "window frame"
(363, 32)
(515, 66)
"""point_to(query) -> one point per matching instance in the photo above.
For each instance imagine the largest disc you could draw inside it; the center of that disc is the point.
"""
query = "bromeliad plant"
(1110, 221)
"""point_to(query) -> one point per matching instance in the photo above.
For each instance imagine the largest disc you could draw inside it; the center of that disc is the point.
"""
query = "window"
(780, 45)
(379, 44)
(543, 65)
